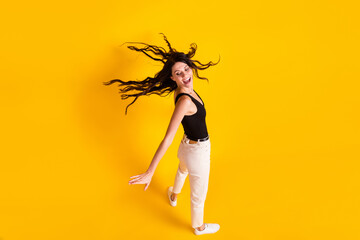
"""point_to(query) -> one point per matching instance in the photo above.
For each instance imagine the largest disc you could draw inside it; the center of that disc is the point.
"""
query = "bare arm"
(181, 108)
(178, 114)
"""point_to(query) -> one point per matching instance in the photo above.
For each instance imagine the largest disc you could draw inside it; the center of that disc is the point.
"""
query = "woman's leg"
(199, 171)
(198, 187)
(180, 178)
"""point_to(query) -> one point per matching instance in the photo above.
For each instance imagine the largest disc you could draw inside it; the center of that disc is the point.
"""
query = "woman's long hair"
(161, 83)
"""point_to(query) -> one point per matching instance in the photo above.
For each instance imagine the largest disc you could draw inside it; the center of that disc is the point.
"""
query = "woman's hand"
(144, 178)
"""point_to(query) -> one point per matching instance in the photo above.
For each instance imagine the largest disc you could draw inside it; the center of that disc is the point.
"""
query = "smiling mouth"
(187, 80)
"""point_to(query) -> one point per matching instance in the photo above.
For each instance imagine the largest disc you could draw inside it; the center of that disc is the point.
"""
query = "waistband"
(197, 140)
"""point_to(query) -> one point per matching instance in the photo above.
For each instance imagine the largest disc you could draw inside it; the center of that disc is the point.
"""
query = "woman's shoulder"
(181, 96)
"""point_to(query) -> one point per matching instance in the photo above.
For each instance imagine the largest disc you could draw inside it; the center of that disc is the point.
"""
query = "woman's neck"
(189, 90)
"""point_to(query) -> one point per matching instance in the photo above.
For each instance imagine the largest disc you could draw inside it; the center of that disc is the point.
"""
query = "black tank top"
(195, 125)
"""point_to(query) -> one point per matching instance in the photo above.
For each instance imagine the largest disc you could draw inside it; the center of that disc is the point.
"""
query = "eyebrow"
(178, 70)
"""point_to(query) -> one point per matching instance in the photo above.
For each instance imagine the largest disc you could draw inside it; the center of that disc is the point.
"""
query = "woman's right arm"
(181, 108)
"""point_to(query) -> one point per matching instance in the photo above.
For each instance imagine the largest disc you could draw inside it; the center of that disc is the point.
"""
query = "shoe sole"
(170, 190)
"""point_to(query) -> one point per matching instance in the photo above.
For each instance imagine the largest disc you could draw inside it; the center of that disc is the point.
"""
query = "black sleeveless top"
(195, 125)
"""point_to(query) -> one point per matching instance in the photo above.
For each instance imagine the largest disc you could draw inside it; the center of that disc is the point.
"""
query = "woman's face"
(182, 74)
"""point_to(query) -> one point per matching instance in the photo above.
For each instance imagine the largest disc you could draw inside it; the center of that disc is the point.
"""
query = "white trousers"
(194, 160)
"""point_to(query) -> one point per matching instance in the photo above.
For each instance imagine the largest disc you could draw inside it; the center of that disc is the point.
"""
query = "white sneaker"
(172, 203)
(209, 228)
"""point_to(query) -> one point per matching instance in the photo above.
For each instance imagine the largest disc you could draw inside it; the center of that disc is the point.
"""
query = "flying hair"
(161, 84)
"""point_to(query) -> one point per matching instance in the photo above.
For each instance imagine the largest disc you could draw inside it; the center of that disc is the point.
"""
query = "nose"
(185, 76)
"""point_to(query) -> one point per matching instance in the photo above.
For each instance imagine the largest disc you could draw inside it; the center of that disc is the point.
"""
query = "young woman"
(194, 150)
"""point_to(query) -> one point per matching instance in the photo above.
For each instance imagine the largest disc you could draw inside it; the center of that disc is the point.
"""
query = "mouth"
(187, 80)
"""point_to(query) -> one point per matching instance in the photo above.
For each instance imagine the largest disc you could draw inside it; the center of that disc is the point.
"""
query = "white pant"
(195, 162)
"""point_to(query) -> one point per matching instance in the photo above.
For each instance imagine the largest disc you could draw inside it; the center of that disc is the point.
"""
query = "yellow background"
(282, 112)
